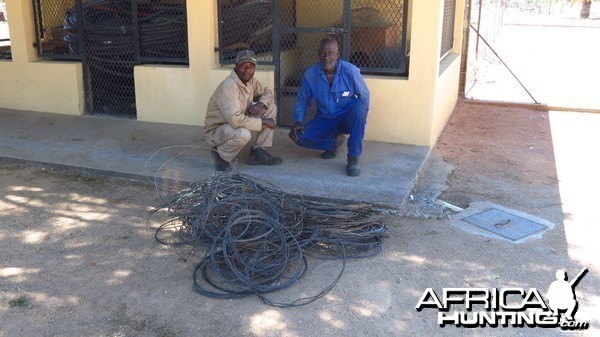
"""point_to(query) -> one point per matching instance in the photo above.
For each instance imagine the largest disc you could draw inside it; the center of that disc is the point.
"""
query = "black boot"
(352, 168)
(339, 141)
(260, 156)
(220, 163)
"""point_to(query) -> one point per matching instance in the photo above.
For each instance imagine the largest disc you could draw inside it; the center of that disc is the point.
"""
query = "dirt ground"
(78, 258)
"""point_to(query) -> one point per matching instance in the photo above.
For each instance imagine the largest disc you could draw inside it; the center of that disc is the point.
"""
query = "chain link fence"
(378, 35)
(245, 25)
(371, 34)
(111, 37)
(110, 55)
(158, 28)
(377, 29)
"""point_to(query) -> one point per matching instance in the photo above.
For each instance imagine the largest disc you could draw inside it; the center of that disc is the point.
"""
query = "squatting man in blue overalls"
(342, 99)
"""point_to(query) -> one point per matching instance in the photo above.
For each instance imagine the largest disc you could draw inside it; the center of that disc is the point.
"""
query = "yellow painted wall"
(409, 110)
(175, 94)
(415, 110)
(180, 94)
(446, 96)
(30, 84)
(397, 113)
(42, 86)
(431, 91)
(446, 91)
(405, 110)
(402, 111)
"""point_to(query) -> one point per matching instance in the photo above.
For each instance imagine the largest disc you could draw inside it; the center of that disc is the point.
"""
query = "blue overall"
(342, 108)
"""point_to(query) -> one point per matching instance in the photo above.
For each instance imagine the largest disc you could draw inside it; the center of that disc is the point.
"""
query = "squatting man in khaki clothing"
(239, 105)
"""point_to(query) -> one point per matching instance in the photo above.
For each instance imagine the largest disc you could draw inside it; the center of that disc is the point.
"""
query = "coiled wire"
(256, 237)
(108, 24)
(108, 31)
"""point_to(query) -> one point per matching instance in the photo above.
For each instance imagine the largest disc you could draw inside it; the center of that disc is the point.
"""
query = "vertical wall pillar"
(425, 47)
(22, 35)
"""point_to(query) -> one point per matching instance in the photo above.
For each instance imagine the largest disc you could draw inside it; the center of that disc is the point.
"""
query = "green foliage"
(19, 302)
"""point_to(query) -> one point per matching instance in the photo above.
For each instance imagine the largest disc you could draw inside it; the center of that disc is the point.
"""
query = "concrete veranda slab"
(178, 153)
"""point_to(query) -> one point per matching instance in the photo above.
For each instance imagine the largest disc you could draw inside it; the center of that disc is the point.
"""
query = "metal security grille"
(286, 33)
(52, 26)
(109, 56)
(163, 32)
(448, 26)
(159, 27)
(303, 24)
(378, 36)
(111, 37)
(245, 25)
(5, 50)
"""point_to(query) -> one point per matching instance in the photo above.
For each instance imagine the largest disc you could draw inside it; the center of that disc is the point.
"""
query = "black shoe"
(330, 154)
(220, 163)
(352, 168)
(260, 156)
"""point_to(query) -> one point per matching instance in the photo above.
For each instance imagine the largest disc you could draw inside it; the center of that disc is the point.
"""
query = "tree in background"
(585, 8)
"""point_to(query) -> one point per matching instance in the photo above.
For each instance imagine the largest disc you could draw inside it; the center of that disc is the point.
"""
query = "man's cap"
(246, 56)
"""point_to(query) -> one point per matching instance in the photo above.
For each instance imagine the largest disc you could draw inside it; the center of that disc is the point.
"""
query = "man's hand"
(268, 123)
(298, 127)
(256, 110)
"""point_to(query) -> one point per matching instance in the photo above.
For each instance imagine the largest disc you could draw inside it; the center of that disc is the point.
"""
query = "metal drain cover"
(510, 226)
(499, 222)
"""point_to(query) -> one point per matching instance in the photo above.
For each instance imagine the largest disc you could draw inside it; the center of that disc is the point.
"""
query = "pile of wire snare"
(256, 237)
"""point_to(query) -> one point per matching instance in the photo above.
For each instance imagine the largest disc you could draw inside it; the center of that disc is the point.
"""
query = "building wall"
(423, 103)
(409, 110)
(180, 94)
(27, 83)
(446, 95)
(447, 84)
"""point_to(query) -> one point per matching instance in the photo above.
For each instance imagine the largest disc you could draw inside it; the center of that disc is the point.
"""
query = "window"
(245, 25)
(371, 33)
(152, 32)
(448, 27)
(378, 36)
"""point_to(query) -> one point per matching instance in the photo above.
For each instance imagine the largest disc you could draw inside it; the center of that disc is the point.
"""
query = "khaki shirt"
(231, 100)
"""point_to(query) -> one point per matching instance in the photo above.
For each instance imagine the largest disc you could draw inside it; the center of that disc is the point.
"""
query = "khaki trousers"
(230, 141)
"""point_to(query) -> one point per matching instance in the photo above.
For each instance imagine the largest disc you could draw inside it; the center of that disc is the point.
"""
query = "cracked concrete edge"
(433, 176)
(430, 182)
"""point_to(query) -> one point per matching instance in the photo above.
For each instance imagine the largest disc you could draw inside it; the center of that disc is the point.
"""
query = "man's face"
(328, 55)
(245, 71)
